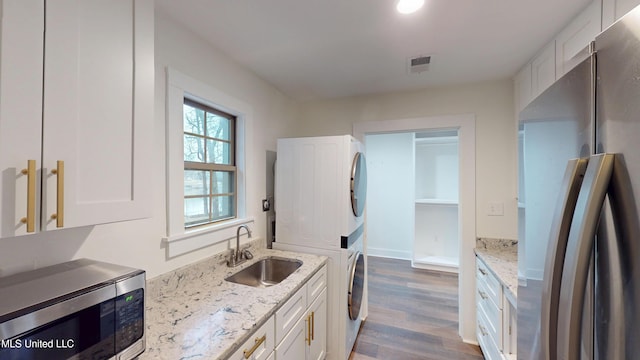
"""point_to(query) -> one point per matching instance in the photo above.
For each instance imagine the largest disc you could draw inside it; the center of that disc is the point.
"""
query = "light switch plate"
(496, 208)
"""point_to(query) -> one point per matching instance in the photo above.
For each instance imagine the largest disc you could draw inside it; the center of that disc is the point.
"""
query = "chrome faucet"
(239, 256)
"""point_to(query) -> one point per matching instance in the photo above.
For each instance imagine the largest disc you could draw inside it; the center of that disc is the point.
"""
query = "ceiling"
(320, 49)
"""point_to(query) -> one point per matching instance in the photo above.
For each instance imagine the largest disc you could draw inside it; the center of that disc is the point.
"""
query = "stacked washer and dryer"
(319, 200)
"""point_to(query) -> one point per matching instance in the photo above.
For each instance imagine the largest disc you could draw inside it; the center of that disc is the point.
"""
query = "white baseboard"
(389, 253)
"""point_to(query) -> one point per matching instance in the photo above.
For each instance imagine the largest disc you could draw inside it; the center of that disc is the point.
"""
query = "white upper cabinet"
(95, 99)
(522, 88)
(565, 51)
(572, 42)
(613, 10)
(98, 103)
(21, 54)
(543, 70)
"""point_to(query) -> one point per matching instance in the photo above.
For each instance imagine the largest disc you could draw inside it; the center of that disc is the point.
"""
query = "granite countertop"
(501, 256)
(193, 313)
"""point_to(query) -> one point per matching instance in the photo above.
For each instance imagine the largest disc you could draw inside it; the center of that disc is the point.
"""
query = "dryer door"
(356, 286)
(358, 184)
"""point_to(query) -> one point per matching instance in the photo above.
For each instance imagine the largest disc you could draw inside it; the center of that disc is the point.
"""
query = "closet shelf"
(436, 202)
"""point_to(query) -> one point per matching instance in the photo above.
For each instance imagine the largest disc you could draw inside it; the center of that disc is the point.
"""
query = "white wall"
(496, 149)
(138, 243)
(437, 171)
(390, 195)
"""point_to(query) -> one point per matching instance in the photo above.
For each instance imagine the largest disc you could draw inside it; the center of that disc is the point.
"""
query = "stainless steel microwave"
(81, 309)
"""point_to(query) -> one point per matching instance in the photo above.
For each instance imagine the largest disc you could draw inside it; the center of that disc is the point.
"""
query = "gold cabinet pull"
(59, 215)
(30, 220)
(258, 342)
(308, 338)
(313, 325)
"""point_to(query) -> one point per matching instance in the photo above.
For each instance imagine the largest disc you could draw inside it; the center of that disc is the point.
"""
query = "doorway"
(465, 126)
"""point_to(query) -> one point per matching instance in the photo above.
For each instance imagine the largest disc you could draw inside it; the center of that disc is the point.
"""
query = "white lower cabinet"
(485, 339)
(260, 346)
(496, 317)
(303, 336)
(293, 346)
(510, 331)
(298, 329)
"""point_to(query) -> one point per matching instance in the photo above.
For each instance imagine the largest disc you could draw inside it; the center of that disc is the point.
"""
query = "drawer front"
(290, 313)
(492, 285)
(492, 316)
(489, 348)
(316, 284)
(260, 345)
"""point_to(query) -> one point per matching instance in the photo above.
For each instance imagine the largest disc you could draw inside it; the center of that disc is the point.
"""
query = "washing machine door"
(358, 184)
(356, 286)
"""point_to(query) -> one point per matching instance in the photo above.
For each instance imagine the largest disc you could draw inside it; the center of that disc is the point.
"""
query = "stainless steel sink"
(266, 272)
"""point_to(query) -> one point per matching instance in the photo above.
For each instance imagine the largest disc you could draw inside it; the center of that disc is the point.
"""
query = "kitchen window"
(205, 172)
(209, 164)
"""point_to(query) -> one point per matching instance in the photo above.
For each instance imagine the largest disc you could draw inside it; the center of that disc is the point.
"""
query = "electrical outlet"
(266, 205)
(495, 209)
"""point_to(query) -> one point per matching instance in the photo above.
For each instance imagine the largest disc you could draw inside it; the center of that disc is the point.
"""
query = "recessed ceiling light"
(409, 6)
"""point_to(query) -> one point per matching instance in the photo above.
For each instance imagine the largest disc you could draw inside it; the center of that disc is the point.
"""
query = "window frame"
(214, 167)
(178, 239)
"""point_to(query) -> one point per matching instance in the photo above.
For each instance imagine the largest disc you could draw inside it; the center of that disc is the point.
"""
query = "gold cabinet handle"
(313, 325)
(308, 338)
(59, 215)
(30, 220)
(258, 342)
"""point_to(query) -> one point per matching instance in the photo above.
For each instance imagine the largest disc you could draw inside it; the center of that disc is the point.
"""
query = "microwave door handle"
(579, 251)
(570, 188)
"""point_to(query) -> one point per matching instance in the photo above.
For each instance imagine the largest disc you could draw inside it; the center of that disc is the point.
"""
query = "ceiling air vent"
(418, 64)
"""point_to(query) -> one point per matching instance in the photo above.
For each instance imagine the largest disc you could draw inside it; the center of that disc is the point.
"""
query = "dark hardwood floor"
(413, 314)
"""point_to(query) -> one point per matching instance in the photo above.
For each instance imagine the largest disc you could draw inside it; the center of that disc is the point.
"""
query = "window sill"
(204, 236)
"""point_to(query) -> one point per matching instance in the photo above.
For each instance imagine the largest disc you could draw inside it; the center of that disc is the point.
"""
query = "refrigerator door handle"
(573, 176)
(578, 254)
(617, 285)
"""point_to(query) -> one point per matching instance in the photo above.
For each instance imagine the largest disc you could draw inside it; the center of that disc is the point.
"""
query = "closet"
(436, 168)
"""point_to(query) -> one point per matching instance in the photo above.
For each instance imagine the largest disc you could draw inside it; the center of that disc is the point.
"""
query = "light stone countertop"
(501, 256)
(193, 313)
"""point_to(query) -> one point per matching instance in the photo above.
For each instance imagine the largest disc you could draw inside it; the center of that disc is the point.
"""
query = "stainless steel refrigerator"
(579, 232)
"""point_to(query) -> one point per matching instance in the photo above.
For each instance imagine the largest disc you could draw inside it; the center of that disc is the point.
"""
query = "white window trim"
(178, 239)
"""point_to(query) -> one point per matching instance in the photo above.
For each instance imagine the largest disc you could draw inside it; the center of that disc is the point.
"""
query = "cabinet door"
(318, 311)
(543, 70)
(613, 10)
(573, 41)
(522, 87)
(98, 108)
(294, 345)
(21, 39)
